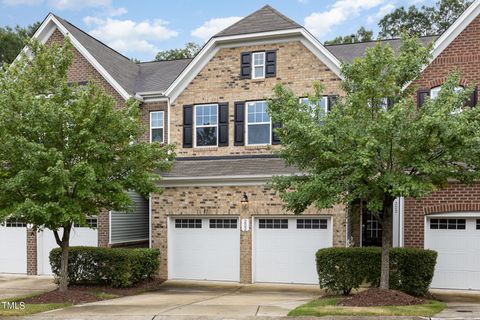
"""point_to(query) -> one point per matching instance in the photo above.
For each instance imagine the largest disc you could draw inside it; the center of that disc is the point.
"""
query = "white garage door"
(204, 249)
(284, 248)
(457, 241)
(13, 247)
(46, 242)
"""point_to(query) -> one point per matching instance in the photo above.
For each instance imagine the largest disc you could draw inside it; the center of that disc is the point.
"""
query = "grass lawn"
(29, 308)
(328, 307)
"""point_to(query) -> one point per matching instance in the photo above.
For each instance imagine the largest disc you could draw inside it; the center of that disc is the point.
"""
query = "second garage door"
(204, 249)
(284, 248)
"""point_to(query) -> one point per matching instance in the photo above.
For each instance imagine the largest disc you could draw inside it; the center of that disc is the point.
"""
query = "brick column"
(31, 252)
(246, 247)
(103, 228)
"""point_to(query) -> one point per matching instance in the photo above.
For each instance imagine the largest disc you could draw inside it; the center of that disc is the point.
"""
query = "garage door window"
(478, 224)
(450, 224)
(223, 223)
(14, 223)
(273, 223)
(188, 223)
(311, 223)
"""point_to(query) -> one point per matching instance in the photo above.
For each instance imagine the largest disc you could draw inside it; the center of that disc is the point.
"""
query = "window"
(450, 224)
(258, 65)
(91, 222)
(478, 224)
(434, 92)
(223, 223)
(206, 125)
(273, 223)
(259, 126)
(312, 224)
(14, 223)
(188, 223)
(320, 110)
(156, 126)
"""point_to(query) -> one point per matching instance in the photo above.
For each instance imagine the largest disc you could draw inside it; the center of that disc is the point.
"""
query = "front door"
(371, 230)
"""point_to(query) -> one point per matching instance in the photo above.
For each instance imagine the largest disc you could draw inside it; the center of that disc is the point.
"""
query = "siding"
(131, 226)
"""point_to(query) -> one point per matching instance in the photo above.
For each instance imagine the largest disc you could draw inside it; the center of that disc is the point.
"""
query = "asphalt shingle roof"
(262, 20)
(158, 75)
(235, 166)
(347, 52)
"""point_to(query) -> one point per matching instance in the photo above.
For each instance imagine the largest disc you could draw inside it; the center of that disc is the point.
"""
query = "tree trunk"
(64, 244)
(386, 241)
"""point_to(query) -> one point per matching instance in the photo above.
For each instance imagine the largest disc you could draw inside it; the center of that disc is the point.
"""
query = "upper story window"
(434, 92)
(318, 110)
(259, 125)
(206, 125)
(258, 65)
(156, 126)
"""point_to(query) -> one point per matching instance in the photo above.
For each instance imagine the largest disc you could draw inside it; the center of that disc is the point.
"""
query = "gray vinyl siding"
(133, 225)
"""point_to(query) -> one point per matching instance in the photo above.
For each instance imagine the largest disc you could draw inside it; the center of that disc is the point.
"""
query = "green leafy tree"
(362, 35)
(422, 21)
(13, 40)
(363, 150)
(68, 152)
(189, 51)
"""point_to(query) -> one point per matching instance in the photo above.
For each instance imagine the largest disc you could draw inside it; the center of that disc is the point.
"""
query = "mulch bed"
(78, 294)
(375, 297)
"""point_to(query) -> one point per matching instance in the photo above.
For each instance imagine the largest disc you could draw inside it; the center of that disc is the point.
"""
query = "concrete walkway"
(187, 300)
(12, 285)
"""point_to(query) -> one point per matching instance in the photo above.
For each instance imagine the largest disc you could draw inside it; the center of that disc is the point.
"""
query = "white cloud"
(213, 26)
(321, 23)
(78, 4)
(129, 36)
(384, 10)
(21, 2)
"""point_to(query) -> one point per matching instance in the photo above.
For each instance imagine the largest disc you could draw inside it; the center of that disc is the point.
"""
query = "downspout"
(168, 120)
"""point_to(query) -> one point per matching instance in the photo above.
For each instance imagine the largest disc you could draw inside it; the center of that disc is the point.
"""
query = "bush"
(344, 269)
(117, 267)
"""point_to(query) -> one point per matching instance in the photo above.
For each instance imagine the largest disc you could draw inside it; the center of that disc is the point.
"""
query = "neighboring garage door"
(13, 247)
(284, 248)
(46, 242)
(457, 241)
(204, 249)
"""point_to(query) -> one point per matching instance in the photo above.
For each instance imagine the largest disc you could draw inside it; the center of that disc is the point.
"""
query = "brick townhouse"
(217, 219)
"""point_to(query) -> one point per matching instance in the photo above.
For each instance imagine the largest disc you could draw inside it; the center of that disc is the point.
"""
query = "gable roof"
(347, 52)
(263, 20)
(158, 75)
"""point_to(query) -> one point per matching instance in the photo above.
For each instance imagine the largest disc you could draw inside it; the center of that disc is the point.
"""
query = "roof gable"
(263, 20)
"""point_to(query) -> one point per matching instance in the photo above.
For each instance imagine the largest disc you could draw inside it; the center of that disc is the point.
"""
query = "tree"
(362, 35)
(13, 40)
(68, 152)
(424, 21)
(188, 52)
(366, 150)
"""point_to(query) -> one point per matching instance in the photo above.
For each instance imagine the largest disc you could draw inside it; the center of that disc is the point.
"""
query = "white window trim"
(436, 91)
(162, 127)
(256, 123)
(260, 65)
(195, 126)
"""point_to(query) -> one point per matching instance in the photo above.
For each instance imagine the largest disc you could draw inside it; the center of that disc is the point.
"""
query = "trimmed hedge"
(344, 269)
(117, 267)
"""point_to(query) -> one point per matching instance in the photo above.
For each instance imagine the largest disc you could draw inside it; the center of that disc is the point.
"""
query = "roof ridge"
(155, 61)
(377, 40)
(284, 17)
(93, 38)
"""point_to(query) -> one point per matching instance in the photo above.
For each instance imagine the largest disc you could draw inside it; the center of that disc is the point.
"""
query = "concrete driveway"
(186, 300)
(461, 304)
(20, 285)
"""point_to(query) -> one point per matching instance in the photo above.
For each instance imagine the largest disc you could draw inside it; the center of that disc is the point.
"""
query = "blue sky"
(140, 28)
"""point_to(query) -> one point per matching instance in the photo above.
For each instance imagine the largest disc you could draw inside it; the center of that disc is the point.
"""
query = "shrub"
(344, 269)
(117, 267)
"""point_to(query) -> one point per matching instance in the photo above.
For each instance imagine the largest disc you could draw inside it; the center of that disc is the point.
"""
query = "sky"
(140, 28)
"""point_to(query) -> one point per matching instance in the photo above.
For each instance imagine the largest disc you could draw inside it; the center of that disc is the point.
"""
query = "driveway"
(461, 304)
(20, 285)
(186, 300)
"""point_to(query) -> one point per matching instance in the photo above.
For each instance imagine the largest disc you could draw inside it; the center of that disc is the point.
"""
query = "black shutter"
(472, 102)
(275, 137)
(223, 124)
(422, 95)
(270, 63)
(245, 65)
(390, 102)
(187, 126)
(332, 100)
(239, 123)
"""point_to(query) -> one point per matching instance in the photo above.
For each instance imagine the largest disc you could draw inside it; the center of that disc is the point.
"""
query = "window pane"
(258, 72)
(257, 112)
(259, 134)
(206, 115)
(258, 58)
(206, 136)
(156, 119)
(157, 135)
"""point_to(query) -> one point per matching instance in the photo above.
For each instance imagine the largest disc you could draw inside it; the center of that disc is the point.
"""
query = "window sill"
(200, 149)
(259, 147)
(258, 80)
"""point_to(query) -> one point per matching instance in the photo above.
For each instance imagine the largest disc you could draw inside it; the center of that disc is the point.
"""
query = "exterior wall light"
(244, 201)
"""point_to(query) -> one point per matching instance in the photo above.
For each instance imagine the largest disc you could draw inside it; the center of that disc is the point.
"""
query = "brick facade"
(146, 108)
(225, 201)
(31, 252)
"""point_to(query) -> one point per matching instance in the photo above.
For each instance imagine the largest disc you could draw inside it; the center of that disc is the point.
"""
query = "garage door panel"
(206, 252)
(13, 249)
(288, 255)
